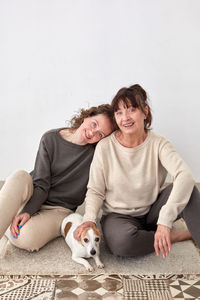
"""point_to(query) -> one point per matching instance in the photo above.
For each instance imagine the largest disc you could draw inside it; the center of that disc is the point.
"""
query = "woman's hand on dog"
(80, 228)
(17, 223)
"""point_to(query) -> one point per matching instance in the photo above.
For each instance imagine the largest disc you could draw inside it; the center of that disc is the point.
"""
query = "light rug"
(55, 258)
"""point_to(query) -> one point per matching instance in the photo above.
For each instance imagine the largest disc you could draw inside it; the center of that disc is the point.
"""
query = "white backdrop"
(59, 55)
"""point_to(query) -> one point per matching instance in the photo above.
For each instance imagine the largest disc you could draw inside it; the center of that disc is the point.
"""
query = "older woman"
(127, 175)
(57, 185)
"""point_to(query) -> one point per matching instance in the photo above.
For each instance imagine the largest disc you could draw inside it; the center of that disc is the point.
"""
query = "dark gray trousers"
(134, 236)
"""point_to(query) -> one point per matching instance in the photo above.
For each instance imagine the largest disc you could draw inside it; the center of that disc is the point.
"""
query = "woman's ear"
(146, 111)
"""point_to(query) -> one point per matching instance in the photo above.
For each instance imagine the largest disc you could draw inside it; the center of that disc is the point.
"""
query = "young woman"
(35, 204)
(127, 175)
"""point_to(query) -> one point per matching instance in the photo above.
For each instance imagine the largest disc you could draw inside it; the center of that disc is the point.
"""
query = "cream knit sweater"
(128, 180)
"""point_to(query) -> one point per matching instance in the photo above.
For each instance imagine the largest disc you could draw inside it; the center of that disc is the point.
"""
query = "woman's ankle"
(180, 235)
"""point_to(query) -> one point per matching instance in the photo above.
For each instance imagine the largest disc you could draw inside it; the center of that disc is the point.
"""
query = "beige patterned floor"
(100, 287)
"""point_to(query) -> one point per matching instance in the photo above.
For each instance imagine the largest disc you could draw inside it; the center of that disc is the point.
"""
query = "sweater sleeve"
(183, 184)
(96, 187)
(41, 179)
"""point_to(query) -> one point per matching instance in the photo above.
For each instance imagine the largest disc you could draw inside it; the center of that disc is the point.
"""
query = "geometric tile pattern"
(146, 289)
(26, 289)
(162, 287)
(185, 289)
(100, 287)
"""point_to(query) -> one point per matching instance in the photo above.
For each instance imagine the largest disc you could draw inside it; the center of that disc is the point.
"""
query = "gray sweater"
(61, 172)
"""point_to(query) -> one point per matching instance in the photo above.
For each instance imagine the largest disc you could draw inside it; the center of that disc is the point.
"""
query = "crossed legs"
(134, 236)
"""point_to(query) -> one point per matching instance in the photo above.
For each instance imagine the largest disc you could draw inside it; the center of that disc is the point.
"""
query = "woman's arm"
(96, 187)
(183, 184)
(41, 179)
(95, 193)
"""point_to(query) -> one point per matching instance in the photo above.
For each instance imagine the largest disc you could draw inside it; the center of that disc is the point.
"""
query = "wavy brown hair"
(137, 96)
(104, 109)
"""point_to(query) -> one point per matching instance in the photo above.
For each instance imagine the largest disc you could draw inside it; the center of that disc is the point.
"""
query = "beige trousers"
(42, 227)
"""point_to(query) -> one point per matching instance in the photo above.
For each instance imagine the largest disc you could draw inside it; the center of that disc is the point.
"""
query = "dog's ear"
(67, 228)
(97, 232)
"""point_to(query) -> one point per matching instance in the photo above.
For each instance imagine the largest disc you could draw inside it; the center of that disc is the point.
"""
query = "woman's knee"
(194, 201)
(196, 193)
(18, 188)
(129, 240)
(20, 175)
(121, 242)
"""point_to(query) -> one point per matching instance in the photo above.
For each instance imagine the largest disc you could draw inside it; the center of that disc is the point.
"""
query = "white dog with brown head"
(89, 242)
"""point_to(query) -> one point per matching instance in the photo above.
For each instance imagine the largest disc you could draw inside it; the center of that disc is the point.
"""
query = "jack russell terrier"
(88, 245)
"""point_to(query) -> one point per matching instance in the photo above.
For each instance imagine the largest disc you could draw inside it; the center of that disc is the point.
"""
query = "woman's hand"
(17, 223)
(162, 241)
(80, 228)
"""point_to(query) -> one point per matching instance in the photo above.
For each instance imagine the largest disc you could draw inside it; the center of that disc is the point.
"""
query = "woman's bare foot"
(180, 235)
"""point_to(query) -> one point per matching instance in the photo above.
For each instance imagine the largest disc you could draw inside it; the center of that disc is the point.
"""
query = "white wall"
(59, 55)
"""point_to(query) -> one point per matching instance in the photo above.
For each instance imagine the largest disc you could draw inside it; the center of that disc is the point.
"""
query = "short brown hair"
(135, 95)
(78, 119)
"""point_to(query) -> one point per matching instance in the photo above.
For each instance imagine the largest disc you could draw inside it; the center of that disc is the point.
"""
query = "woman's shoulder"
(50, 135)
(160, 141)
(157, 136)
(51, 132)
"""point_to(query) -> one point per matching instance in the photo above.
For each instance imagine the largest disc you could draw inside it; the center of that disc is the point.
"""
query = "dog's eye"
(96, 239)
(86, 240)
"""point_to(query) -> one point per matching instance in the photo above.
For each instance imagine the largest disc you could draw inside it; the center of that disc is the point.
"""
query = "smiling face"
(94, 128)
(129, 119)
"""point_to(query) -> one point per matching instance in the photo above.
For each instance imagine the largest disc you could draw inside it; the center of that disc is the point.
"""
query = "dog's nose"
(93, 252)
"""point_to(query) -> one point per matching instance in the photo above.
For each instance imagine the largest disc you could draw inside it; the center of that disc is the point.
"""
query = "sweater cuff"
(165, 222)
(29, 210)
(89, 219)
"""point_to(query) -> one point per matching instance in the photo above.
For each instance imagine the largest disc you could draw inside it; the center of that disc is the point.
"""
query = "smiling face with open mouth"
(129, 119)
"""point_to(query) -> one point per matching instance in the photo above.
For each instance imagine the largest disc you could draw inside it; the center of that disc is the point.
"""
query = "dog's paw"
(90, 269)
(100, 266)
